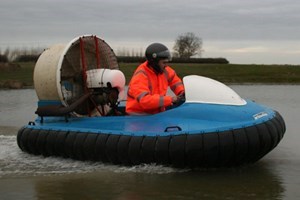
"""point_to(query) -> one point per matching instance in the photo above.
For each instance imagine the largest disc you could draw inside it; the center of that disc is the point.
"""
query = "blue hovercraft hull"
(191, 135)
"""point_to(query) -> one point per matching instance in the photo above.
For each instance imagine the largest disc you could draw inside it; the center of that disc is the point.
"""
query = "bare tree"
(187, 45)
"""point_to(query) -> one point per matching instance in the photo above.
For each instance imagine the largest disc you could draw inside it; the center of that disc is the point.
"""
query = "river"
(23, 176)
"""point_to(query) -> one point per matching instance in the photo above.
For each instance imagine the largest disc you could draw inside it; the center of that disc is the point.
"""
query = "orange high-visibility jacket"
(147, 90)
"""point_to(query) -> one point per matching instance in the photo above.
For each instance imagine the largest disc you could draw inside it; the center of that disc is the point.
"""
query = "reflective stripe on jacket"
(147, 90)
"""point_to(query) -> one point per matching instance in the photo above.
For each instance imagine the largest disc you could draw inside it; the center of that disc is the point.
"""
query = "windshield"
(199, 89)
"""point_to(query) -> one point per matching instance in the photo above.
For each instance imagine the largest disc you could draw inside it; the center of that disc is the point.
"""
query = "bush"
(201, 60)
(9, 67)
(128, 59)
(131, 59)
(3, 58)
(26, 58)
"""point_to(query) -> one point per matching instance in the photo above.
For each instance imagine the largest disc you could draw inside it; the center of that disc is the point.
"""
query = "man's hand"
(174, 99)
(179, 98)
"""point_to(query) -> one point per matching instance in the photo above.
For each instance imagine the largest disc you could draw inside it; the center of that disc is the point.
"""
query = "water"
(23, 176)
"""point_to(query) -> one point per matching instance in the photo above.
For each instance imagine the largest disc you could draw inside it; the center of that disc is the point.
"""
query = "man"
(148, 87)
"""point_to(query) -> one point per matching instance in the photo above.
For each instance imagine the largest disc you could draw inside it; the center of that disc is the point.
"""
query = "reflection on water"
(248, 183)
(24, 176)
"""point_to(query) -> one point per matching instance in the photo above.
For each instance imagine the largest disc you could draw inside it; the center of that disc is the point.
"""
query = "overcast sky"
(243, 31)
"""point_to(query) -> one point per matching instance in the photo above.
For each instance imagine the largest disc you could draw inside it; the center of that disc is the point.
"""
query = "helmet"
(156, 52)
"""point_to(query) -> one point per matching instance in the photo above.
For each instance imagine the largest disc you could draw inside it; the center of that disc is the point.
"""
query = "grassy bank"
(23, 74)
(226, 73)
(233, 73)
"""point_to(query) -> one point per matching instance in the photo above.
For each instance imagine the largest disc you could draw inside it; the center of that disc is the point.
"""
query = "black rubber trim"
(41, 142)
(89, 146)
(100, 148)
(134, 150)
(122, 149)
(111, 149)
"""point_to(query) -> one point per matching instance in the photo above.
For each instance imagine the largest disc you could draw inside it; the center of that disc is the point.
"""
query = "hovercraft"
(81, 115)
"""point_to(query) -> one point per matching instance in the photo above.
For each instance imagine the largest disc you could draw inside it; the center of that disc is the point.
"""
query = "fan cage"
(82, 54)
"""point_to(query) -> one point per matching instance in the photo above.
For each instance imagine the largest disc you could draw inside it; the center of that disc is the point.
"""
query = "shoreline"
(228, 83)
(20, 75)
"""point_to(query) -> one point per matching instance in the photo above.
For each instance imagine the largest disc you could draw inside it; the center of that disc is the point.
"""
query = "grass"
(226, 73)
(233, 73)
(24, 74)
